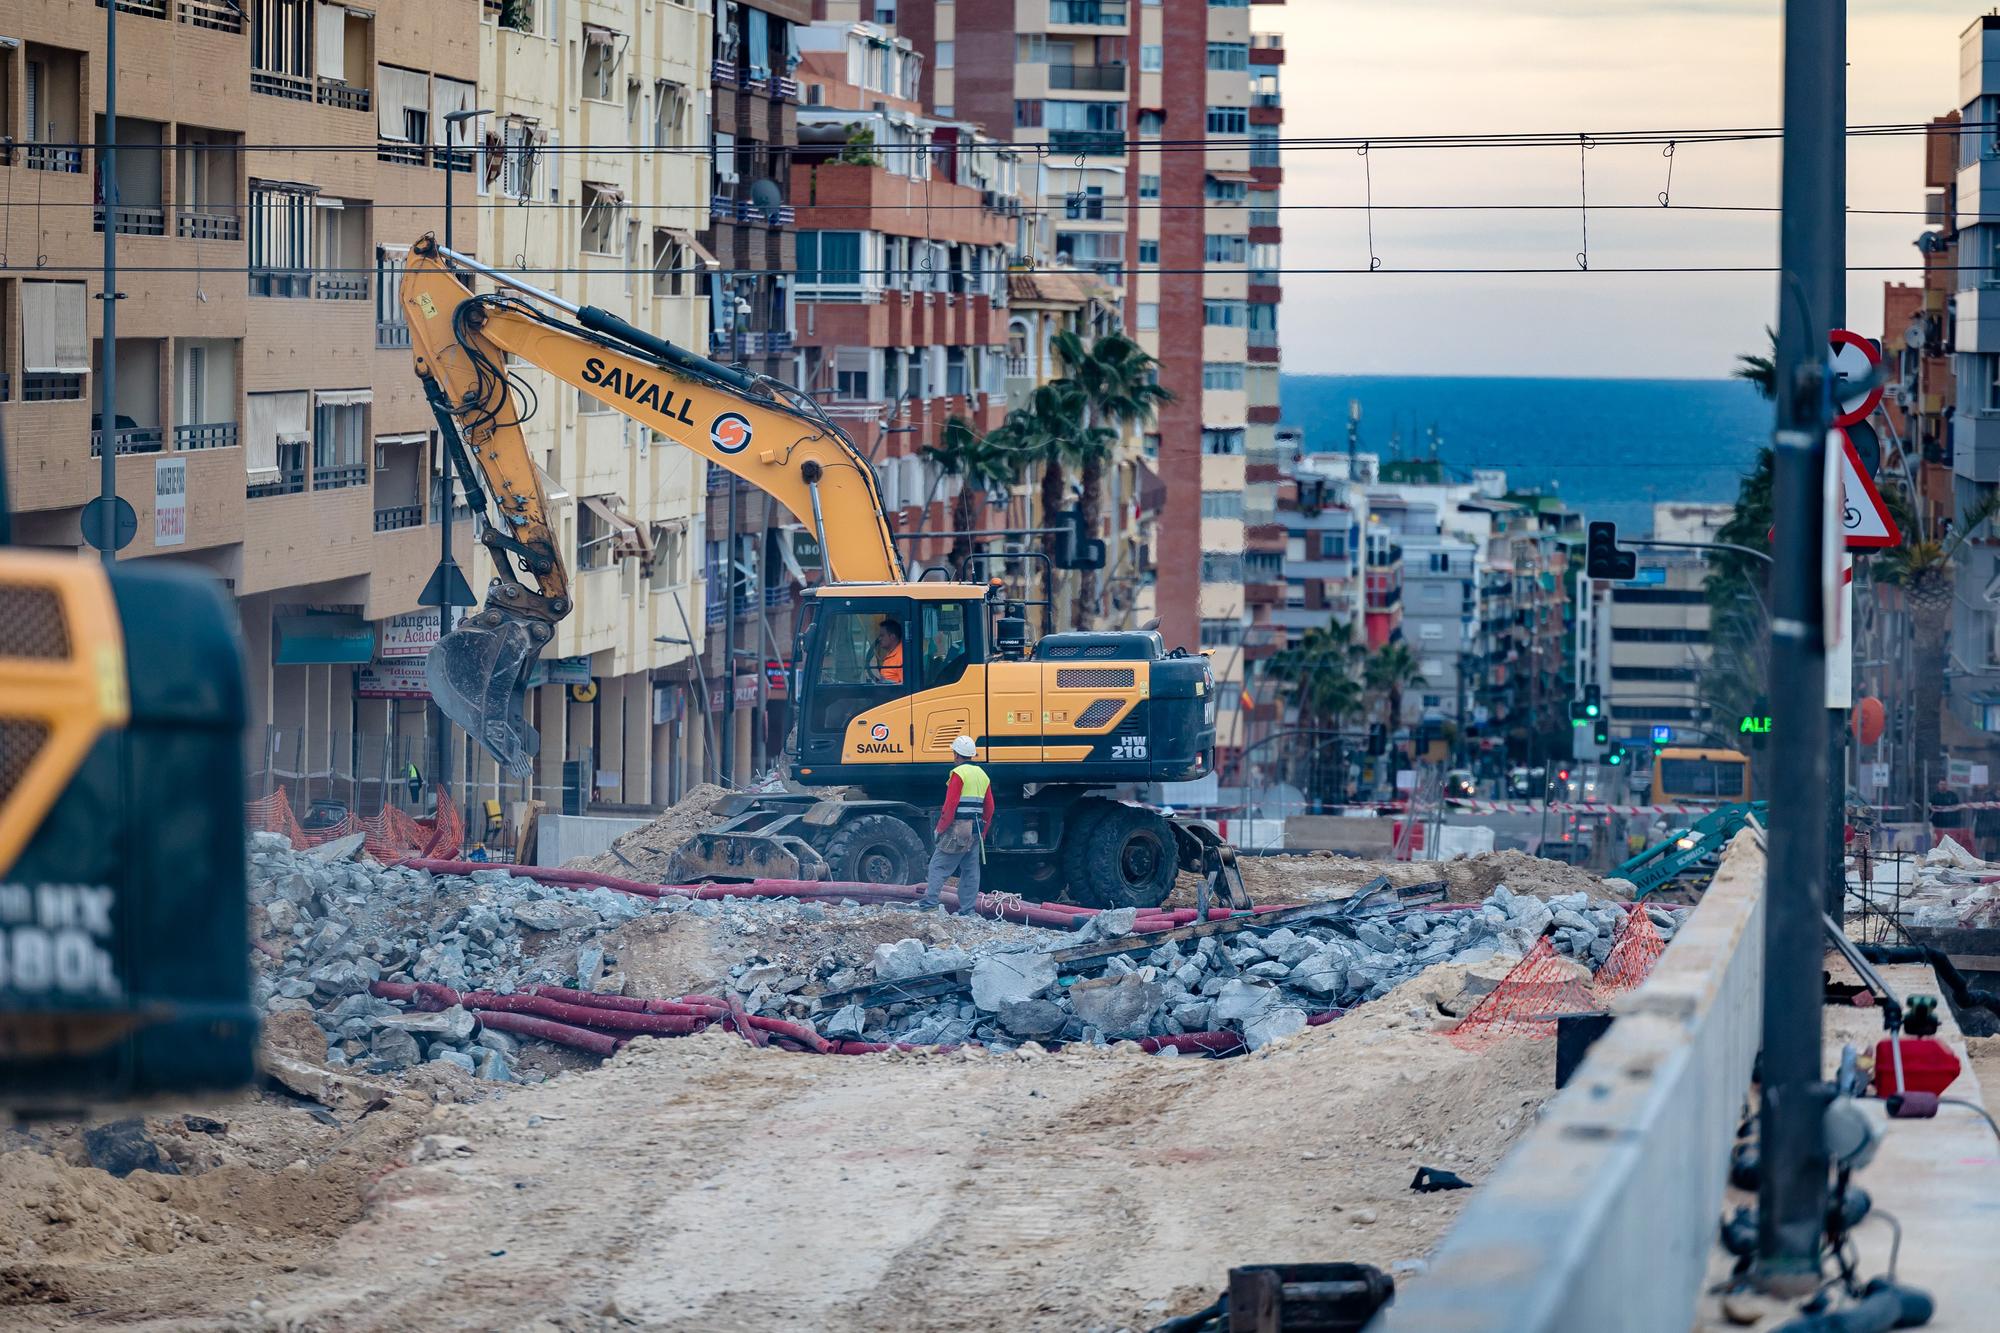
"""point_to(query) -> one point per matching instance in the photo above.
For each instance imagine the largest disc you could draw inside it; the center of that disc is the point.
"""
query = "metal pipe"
(107, 166)
(1792, 1190)
(504, 279)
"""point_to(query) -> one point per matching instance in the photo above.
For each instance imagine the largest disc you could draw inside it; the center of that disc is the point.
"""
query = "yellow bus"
(1690, 774)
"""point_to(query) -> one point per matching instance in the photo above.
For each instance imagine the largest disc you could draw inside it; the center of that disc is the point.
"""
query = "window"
(279, 39)
(1152, 124)
(1222, 504)
(830, 258)
(946, 650)
(670, 113)
(1222, 439)
(603, 218)
(1221, 567)
(1228, 4)
(1264, 208)
(1228, 120)
(1221, 634)
(1226, 192)
(1149, 187)
(668, 261)
(1149, 252)
(55, 344)
(1028, 115)
(1220, 249)
(1151, 58)
(340, 436)
(1223, 314)
(862, 648)
(1146, 315)
(947, 55)
(850, 374)
(1229, 55)
(516, 168)
(1031, 49)
(391, 328)
(281, 228)
(1264, 146)
(1223, 375)
(588, 404)
(1087, 204)
(601, 48)
(593, 538)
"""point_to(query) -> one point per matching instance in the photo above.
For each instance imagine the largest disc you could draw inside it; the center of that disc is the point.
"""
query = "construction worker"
(961, 831)
(888, 666)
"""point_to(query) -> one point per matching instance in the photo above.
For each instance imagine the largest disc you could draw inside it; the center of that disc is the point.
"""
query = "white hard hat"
(964, 748)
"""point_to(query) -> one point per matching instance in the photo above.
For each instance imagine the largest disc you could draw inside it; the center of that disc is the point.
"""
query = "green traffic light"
(1576, 722)
(1615, 758)
(1590, 710)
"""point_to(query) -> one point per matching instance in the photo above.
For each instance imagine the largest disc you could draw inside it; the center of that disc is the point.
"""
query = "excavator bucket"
(478, 674)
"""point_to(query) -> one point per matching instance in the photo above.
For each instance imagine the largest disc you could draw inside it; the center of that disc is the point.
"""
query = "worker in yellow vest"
(961, 831)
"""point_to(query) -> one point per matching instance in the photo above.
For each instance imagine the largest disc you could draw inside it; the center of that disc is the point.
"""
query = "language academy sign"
(170, 501)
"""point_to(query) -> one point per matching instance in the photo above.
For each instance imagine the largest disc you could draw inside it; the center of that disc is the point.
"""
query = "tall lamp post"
(447, 587)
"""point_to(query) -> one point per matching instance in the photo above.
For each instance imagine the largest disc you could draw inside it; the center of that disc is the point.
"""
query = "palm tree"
(1761, 371)
(1923, 568)
(1048, 431)
(981, 465)
(1119, 382)
(1391, 669)
(1320, 673)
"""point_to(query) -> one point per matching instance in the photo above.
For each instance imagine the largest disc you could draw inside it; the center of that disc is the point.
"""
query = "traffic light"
(1593, 702)
(1615, 755)
(1603, 559)
(1075, 547)
(1576, 717)
(1601, 733)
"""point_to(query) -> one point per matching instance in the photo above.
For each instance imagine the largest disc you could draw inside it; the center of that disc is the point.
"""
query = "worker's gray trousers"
(944, 865)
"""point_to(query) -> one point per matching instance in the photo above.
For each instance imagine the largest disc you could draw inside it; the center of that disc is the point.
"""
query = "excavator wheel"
(1036, 876)
(876, 849)
(1128, 858)
(1074, 853)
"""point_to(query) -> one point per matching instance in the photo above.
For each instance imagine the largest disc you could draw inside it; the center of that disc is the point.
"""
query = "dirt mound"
(646, 850)
(1315, 876)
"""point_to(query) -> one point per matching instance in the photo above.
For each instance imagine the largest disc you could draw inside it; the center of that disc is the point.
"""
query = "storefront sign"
(746, 690)
(391, 680)
(560, 671)
(669, 704)
(777, 678)
(169, 501)
(412, 634)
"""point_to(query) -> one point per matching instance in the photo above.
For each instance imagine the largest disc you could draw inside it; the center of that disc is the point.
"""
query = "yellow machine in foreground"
(889, 670)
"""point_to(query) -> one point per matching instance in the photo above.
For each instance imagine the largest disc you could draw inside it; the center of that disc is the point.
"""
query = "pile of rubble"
(1257, 983)
(1954, 888)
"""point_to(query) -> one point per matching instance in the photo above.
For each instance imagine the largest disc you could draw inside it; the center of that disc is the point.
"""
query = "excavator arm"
(767, 433)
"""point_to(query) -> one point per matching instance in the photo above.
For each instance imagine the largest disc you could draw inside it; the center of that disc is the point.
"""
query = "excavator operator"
(888, 664)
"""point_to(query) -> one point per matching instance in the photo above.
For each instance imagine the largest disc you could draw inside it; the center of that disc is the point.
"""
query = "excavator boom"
(762, 431)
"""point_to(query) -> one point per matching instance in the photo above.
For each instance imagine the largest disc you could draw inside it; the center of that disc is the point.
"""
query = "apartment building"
(1189, 239)
(750, 593)
(591, 181)
(1921, 398)
(267, 425)
(1974, 688)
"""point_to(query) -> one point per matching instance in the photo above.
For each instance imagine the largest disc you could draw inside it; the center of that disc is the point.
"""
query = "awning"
(323, 640)
(413, 437)
(344, 397)
(552, 490)
(629, 535)
(1152, 491)
(687, 240)
(593, 35)
(1247, 178)
(606, 193)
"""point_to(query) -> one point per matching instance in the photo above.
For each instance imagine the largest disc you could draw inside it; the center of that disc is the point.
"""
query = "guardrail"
(1605, 1215)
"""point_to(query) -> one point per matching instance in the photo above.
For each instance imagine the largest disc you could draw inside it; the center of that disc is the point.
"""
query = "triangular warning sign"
(1865, 520)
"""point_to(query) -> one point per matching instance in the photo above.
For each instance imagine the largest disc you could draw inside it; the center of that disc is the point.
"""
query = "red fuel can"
(1928, 1066)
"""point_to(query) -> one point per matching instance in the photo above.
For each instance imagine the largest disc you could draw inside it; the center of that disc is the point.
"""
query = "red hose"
(526, 1025)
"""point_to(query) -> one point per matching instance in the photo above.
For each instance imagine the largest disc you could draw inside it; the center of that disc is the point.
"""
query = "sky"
(1401, 67)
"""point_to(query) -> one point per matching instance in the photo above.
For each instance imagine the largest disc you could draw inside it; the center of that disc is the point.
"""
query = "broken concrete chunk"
(847, 1023)
(1118, 1006)
(453, 1025)
(394, 1048)
(895, 962)
(1241, 1001)
(1273, 1025)
(998, 978)
(549, 915)
(1032, 1019)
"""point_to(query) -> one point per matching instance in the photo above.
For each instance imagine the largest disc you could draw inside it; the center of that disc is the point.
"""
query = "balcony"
(152, 9)
(55, 157)
(274, 83)
(345, 96)
(1976, 446)
(214, 15)
(128, 439)
(1088, 13)
(291, 478)
(391, 333)
(1099, 143)
(724, 73)
(1087, 78)
(397, 517)
(783, 89)
(341, 287)
(138, 221)
(206, 435)
(339, 476)
(192, 225)
(402, 154)
(50, 387)
(280, 282)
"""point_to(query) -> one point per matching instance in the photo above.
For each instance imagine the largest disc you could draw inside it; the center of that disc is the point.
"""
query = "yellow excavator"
(889, 670)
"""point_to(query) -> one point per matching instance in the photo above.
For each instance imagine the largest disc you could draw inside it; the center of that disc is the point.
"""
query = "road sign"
(1865, 521)
(1856, 365)
(125, 522)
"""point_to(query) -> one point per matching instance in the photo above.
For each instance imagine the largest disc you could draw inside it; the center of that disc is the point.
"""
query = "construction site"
(578, 1100)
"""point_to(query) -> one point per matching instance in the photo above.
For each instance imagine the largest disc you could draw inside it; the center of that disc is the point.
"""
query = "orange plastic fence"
(389, 836)
(1545, 984)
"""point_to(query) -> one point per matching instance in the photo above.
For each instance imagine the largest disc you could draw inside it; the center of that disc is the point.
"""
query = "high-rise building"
(590, 182)
(1162, 175)
(267, 424)
(1974, 441)
(752, 301)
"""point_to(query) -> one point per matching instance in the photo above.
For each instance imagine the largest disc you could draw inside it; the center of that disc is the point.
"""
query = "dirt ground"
(1311, 876)
(703, 1184)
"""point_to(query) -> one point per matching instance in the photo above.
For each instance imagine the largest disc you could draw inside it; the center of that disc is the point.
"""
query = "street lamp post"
(447, 586)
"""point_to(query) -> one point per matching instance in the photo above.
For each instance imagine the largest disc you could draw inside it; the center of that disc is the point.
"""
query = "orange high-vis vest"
(892, 665)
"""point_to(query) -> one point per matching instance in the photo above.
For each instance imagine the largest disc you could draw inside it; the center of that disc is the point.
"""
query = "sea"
(1610, 448)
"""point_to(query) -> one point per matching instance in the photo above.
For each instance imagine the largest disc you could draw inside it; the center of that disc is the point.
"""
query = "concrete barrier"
(560, 839)
(1604, 1217)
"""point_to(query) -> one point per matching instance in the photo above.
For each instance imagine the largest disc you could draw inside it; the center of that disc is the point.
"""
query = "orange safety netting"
(1544, 985)
(388, 837)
